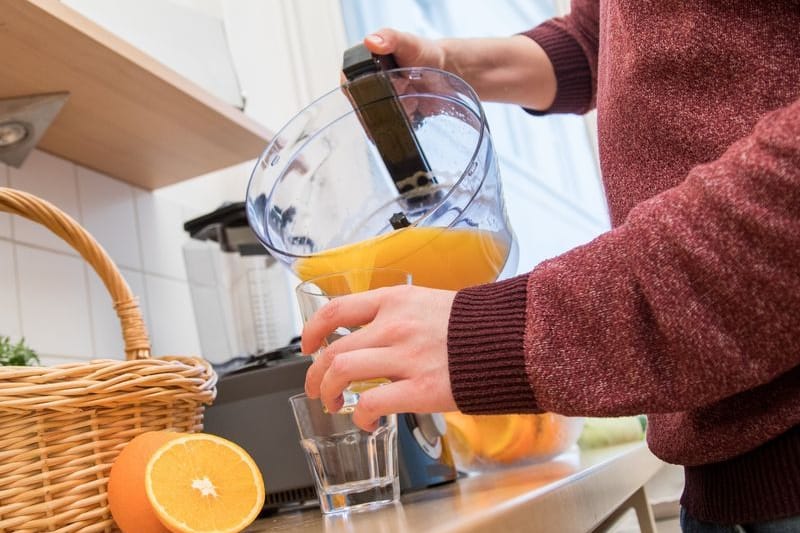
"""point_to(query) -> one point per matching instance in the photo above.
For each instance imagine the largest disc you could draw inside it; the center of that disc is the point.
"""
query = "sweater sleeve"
(693, 299)
(571, 43)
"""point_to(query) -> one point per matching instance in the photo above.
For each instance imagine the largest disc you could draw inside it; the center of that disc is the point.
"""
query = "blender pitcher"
(328, 196)
(394, 169)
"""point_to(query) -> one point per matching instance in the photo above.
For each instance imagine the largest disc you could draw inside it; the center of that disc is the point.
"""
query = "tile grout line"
(17, 289)
(14, 260)
(86, 277)
(137, 227)
(144, 305)
(75, 255)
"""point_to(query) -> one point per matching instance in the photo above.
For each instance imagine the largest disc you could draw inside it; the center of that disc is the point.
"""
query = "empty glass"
(353, 469)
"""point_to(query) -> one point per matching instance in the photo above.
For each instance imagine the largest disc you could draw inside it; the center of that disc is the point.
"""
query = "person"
(687, 309)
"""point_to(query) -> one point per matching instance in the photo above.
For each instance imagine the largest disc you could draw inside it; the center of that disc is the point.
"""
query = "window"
(553, 192)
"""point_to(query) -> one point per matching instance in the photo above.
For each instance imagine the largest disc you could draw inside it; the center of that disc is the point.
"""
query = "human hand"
(513, 69)
(409, 50)
(404, 340)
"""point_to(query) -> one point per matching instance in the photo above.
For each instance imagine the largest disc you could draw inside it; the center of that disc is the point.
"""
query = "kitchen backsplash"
(53, 298)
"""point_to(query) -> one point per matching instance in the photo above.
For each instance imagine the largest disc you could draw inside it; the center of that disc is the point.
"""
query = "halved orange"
(498, 432)
(463, 435)
(200, 483)
(485, 436)
(524, 440)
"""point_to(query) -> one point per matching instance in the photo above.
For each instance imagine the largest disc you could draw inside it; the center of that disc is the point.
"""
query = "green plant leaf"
(16, 354)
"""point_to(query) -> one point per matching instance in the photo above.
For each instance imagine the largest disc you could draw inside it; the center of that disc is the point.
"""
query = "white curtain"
(552, 187)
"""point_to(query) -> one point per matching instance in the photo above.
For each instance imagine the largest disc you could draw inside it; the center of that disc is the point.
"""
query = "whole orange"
(127, 497)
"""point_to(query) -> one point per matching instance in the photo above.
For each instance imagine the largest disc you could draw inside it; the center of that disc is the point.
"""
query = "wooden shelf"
(127, 116)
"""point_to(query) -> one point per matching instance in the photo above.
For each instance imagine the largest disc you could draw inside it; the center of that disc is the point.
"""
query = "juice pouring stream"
(436, 257)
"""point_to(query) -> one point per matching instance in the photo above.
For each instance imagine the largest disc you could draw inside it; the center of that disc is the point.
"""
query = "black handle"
(386, 123)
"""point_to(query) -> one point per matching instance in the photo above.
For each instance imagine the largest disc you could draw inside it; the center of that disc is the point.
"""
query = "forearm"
(692, 300)
(513, 69)
(551, 68)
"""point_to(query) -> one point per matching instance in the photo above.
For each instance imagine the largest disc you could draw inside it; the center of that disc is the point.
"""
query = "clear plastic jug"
(322, 200)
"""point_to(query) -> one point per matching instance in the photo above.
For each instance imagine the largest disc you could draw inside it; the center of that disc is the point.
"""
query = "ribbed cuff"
(485, 345)
(761, 485)
(573, 74)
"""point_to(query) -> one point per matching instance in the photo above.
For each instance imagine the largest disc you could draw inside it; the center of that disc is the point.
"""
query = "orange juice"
(441, 258)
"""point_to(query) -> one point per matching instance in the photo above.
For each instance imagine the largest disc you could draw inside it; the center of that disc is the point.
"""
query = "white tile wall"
(54, 299)
(54, 302)
(173, 330)
(105, 323)
(108, 213)
(9, 320)
(5, 219)
(50, 178)
(52, 360)
(64, 311)
(161, 234)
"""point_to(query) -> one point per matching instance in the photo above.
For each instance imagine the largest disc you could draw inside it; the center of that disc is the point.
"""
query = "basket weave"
(61, 427)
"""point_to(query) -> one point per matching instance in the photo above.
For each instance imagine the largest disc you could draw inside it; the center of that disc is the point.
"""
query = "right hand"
(399, 343)
(514, 70)
(409, 50)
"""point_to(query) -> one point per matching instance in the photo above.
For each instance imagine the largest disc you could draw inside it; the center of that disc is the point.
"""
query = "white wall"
(285, 53)
(188, 37)
(53, 298)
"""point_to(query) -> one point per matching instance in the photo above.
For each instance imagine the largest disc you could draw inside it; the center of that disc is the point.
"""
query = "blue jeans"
(690, 524)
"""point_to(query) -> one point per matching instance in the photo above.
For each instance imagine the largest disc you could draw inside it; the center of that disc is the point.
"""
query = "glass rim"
(302, 399)
(304, 286)
(410, 73)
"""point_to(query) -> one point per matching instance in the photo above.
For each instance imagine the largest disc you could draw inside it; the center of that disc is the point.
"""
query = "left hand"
(404, 340)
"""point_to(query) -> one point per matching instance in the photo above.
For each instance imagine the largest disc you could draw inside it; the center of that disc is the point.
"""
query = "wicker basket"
(61, 427)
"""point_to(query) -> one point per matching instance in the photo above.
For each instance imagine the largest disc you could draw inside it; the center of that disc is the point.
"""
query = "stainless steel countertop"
(571, 493)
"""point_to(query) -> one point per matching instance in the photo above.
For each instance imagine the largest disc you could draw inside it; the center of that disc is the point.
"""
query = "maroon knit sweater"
(689, 309)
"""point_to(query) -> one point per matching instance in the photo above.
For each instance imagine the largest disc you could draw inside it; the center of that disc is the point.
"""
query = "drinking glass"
(316, 292)
(353, 469)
